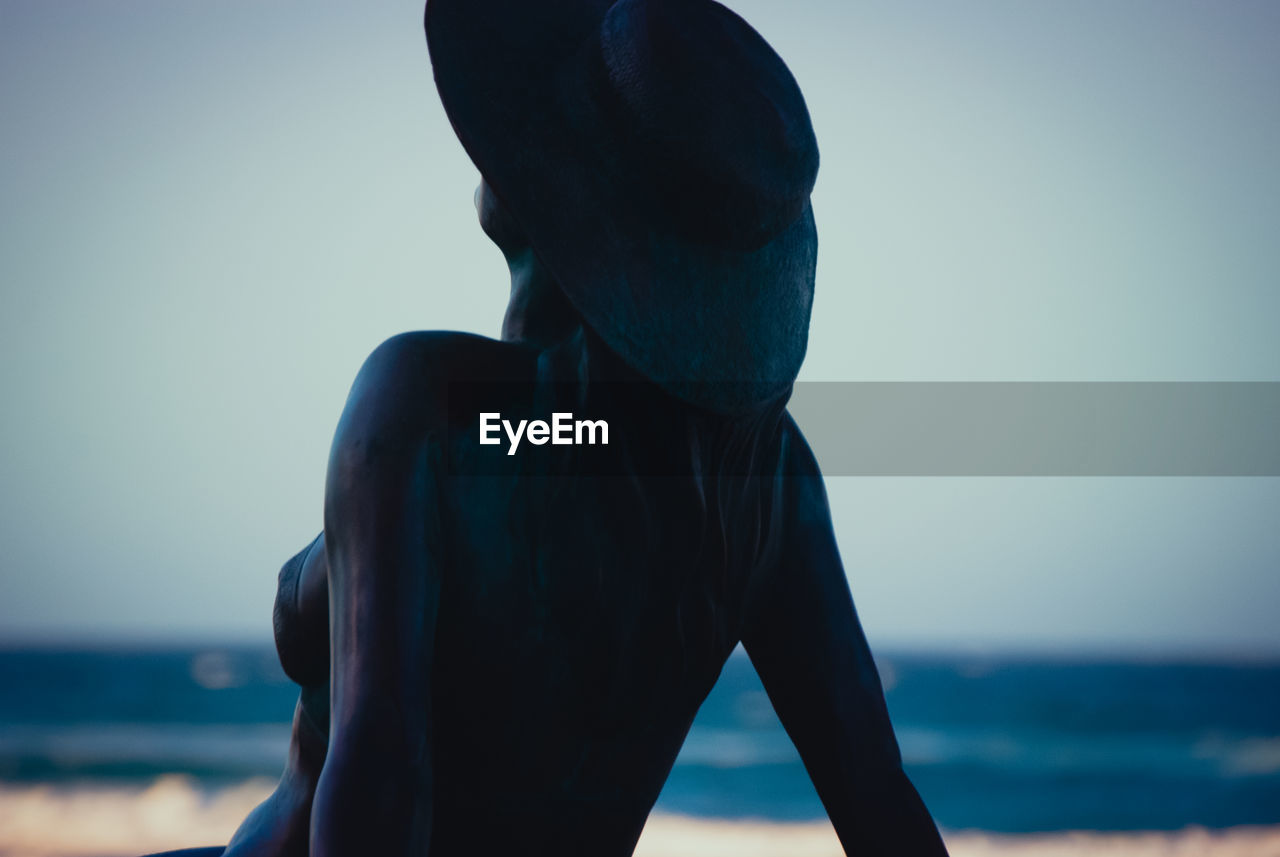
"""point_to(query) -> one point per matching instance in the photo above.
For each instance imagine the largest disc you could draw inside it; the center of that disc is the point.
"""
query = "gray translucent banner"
(1041, 429)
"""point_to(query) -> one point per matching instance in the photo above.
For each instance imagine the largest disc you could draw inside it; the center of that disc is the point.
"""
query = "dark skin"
(481, 676)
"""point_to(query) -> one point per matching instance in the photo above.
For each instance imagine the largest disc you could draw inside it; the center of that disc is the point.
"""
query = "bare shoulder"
(803, 487)
(410, 365)
(400, 393)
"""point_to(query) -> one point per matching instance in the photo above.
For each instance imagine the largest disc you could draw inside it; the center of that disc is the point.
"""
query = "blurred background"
(211, 213)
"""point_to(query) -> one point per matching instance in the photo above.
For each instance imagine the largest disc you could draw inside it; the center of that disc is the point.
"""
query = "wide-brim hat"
(659, 157)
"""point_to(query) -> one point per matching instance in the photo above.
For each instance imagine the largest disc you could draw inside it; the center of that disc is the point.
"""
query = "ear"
(497, 222)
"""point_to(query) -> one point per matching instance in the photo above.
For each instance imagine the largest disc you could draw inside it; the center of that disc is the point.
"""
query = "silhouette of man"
(503, 653)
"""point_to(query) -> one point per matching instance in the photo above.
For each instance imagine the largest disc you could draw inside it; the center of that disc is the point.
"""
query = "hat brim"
(724, 329)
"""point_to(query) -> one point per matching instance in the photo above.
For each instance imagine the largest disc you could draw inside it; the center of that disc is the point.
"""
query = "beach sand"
(175, 812)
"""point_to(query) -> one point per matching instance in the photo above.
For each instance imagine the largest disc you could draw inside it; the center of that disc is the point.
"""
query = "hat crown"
(658, 156)
(727, 146)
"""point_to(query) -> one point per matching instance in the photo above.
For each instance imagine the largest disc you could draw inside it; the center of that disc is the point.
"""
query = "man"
(501, 650)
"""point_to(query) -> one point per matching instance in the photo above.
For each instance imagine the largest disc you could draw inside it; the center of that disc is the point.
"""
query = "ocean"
(993, 743)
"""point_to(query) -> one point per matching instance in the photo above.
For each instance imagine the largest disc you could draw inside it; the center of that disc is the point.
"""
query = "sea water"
(997, 743)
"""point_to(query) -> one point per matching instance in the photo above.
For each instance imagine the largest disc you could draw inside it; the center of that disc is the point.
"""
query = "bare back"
(589, 601)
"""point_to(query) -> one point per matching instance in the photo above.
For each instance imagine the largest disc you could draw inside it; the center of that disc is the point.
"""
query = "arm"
(809, 650)
(373, 796)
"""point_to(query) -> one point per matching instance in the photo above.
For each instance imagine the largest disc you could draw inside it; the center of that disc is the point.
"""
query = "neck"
(538, 313)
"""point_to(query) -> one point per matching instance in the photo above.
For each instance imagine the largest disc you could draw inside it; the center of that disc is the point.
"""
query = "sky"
(210, 213)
